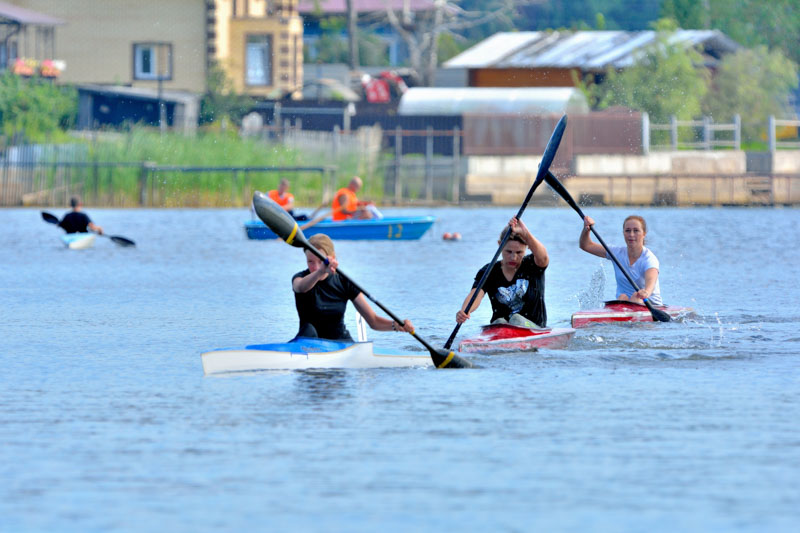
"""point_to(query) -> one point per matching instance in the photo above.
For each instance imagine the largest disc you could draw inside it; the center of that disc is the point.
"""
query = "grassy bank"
(119, 158)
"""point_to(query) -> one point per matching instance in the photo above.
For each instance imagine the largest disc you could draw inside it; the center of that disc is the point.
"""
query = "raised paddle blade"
(278, 220)
(556, 185)
(657, 314)
(52, 219)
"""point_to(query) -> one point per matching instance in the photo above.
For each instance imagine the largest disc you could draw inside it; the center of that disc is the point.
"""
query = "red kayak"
(509, 338)
(621, 311)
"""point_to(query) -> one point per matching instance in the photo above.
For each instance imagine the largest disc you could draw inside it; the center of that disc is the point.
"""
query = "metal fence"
(772, 133)
(701, 134)
(144, 184)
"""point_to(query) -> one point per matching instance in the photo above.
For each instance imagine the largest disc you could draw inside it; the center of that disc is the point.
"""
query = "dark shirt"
(524, 294)
(324, 305)
(75, 222)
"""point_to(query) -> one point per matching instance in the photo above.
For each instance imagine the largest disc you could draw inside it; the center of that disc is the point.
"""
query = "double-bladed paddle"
(658, 315)
(122, 241)
(285, 227)
(544, 168)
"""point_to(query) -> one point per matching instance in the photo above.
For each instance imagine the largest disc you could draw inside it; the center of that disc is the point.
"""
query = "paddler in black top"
(76, 221)
(321, 296)
(515, 284)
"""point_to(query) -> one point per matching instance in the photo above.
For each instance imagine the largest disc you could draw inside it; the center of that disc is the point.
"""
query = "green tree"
(774, 23)
(36, 107)
(667, 79)
(754, 83)
(221, 100)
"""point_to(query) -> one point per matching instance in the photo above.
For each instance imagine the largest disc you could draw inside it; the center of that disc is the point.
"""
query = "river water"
(108, 423)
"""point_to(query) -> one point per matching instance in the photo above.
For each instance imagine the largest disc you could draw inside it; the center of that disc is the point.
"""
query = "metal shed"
(503, 100)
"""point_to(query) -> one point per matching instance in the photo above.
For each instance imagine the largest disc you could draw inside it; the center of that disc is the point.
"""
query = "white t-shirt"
(645, 262)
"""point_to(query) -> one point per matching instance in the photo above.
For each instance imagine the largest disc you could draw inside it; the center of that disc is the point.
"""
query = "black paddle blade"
(658, 314)
(557, 186)
(449, 359)
(52, 219)
(122, 241)
(550, 150)
(278, 220)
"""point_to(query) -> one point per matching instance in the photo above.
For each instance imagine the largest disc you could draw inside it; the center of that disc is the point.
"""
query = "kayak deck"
(303, 353)
(509, 338)
(622, 311)
(78, 241)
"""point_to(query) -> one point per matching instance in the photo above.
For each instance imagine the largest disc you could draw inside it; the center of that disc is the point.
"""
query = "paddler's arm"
(462, 316)
(650, 278)
(379, 323)
(95, 228)
(538, 250)
(586, 243)
(307, 282)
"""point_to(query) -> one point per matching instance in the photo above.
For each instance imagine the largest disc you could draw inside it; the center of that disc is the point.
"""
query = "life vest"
(283, 202)
(351, 204)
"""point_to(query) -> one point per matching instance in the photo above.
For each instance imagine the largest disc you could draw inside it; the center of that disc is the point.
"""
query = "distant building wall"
(98, 40)
(286, 43)
(521, 77)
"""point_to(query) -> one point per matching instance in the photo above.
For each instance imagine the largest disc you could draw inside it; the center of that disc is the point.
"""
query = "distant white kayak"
(78, 241)
(304, 353)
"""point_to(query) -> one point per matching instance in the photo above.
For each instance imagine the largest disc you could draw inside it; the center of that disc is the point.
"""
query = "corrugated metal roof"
(362, 6)
(26, 16)
(586, 50)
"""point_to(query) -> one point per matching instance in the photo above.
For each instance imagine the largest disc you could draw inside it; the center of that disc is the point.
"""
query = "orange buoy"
(447, 236)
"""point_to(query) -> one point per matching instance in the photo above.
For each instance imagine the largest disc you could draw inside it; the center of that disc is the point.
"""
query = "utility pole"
(352, 34)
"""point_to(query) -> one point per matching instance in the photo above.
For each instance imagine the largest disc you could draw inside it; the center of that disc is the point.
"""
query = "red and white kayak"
(509, 338)
(621, 311)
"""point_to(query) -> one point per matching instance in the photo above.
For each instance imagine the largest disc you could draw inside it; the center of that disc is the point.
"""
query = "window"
(259, 60)
(152, 61)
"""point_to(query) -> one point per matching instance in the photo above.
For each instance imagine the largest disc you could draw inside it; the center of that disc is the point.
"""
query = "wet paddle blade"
(658, 314)
(49, 218)
(449, 359)
(278, 220)
(122, 241)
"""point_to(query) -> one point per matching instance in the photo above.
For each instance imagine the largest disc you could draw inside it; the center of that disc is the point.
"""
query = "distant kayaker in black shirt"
(321, 296)
(76, 221)
(515, 284)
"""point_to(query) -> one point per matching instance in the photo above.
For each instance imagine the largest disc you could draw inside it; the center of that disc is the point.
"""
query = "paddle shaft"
(544, 167)
(660, 316)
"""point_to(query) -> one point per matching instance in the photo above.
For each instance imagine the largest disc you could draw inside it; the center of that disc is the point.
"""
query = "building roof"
(586, 50)
(362, 6)
(523, 100)
(26, 16)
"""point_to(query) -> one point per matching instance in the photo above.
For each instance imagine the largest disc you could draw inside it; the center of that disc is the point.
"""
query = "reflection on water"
(319, 385)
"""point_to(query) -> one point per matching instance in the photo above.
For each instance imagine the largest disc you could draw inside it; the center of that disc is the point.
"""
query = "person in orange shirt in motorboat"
(346, 205)
(284, 198)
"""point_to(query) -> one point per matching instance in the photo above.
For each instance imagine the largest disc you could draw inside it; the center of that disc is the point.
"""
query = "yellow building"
(172, 43)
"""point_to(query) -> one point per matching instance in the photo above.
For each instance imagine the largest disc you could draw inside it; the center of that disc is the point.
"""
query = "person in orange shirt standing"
(346, 205)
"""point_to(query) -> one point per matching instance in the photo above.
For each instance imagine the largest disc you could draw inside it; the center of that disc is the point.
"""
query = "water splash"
(592, 296)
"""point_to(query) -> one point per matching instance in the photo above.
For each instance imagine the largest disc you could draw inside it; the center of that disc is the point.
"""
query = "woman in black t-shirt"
(515, 284)
(321, 297)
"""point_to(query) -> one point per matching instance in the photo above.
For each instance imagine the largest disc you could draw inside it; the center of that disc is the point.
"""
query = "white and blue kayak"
(302, 353)
(78, 241)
